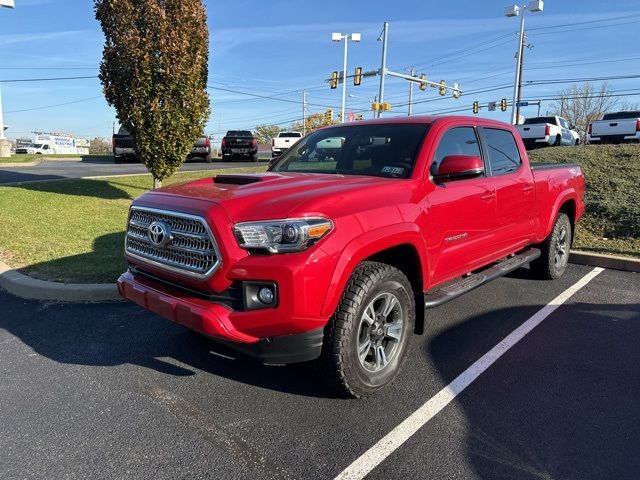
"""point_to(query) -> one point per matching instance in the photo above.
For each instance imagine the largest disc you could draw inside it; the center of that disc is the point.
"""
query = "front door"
(461, 212)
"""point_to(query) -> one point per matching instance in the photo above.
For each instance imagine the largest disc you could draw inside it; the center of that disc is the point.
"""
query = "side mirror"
(458, 167)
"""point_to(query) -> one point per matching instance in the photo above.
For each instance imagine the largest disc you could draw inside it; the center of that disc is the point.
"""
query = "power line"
(55, 105)
(19, 80)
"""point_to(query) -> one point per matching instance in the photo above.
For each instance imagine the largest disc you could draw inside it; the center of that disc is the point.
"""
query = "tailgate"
(613, 127)
(531, 131)
(239, 142)
(285, 142)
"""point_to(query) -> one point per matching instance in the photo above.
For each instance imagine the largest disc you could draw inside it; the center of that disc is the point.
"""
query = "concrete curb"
(605, 261)
(35, 163)
(23, 286)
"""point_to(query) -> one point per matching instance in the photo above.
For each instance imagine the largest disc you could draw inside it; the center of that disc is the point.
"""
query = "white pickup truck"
(545, 131)
(616, 127)
(35, 149)
(283, 141)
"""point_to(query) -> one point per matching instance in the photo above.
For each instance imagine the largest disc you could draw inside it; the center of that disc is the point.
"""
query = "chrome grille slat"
(193, 250)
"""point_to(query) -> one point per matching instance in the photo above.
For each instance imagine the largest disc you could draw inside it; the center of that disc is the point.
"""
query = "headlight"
(281, 236)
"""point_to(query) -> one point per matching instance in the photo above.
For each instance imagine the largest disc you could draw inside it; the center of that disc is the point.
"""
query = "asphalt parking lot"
(112, 391)
(93, 167)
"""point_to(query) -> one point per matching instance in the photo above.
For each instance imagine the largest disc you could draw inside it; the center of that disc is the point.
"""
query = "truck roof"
(429, 119)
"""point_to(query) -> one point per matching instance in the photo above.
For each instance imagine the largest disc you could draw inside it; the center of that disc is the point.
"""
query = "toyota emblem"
(159, 234)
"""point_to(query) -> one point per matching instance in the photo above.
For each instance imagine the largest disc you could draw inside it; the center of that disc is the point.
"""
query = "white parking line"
(396, 437)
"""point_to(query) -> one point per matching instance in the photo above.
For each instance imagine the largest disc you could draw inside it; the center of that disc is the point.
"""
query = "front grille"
(192, 249)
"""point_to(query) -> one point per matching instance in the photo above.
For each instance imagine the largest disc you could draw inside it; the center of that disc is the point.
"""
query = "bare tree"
(584, 103)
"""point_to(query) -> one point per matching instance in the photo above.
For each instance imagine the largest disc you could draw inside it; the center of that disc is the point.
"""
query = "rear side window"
(456, 141)
(504, 156)
(621, 115)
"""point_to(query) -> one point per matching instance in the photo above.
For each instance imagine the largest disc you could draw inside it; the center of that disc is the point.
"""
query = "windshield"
(37, 145)
(376, 150)
(534, 120)
(621, 115)
(239, 133)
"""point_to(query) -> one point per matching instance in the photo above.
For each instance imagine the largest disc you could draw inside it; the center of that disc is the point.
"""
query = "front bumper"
(215, 320)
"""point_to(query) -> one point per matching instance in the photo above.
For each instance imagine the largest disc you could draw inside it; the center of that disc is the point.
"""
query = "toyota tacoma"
(338, 258)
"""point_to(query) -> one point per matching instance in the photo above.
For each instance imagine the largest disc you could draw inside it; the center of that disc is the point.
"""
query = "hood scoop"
(236, 179)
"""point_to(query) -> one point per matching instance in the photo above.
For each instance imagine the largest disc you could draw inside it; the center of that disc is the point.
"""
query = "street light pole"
(516, 84)
(344, 78)
(514, 11)
(337, 37)
(7, 4)
(413, 74)
(383, 66)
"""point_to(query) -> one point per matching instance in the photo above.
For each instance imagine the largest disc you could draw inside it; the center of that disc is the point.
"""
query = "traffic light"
(456, 91)
(476, 107)
(357, 76)
(340, 119)
(328, 116)
(334, 80)
(375, 106)
(442, 89)
(423, 85)
(386, 107)
(359, 117)
(503, 104)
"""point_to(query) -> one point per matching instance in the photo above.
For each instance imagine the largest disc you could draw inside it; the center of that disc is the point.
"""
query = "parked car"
(239, 143)
(616, 127)
(35, 149)
(546, 131)
(283, 141)
(124, 147)
(337, 261)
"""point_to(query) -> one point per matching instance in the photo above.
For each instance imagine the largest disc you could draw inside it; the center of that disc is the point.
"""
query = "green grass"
(73, 230)
(612, 219)
(27, 158)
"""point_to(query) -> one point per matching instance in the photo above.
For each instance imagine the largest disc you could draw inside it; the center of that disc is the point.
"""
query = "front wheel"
(555, 251)
(366, 340)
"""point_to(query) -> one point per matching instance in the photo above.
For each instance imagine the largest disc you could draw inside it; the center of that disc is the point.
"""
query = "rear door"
(567, 137)
(461, 212)
(515, 191)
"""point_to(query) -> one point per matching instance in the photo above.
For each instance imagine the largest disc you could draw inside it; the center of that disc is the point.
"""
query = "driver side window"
(456, 141)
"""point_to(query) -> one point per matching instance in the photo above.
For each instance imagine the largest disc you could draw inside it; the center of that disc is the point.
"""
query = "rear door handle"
(488, 196)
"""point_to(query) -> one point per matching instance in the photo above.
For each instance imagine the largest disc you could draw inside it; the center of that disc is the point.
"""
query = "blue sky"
(280, 48)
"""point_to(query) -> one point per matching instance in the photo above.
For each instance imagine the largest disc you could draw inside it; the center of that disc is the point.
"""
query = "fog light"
(265, 295)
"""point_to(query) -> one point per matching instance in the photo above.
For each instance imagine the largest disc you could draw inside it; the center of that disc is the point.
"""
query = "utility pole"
(383, 66)
(304, 113)
(413, 74)
(516, 84)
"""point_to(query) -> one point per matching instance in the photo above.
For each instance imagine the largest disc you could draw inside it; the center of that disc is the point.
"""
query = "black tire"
(577, 142)
(254, 157)
(558, 140)
(555, 251)
(340, 363)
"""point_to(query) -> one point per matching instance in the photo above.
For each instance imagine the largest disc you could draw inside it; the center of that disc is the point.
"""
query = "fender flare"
(569, 194)
(366, 245)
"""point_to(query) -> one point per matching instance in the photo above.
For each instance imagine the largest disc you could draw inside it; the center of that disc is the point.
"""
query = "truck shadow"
(108, 335)
(558, 405)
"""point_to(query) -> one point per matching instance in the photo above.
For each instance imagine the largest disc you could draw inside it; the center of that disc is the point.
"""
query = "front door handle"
(527, 188)
(488, 196)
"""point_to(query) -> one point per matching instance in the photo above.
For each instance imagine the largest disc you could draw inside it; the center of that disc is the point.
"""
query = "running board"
(455, 288)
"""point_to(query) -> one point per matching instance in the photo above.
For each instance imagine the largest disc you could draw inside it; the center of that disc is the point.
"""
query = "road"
(92, 167)
(108, 391)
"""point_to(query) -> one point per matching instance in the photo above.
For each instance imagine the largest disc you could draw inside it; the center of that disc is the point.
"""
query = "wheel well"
(569, 208)
(406, 259)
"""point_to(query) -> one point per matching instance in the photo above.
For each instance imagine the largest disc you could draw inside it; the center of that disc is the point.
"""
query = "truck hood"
(248, 197)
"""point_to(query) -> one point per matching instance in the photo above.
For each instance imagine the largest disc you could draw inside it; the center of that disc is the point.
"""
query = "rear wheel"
(555, 251)
(558, 141)
(367, 338)
(577, 142)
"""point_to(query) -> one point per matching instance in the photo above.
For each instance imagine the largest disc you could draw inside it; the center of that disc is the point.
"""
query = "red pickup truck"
(338, 251)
